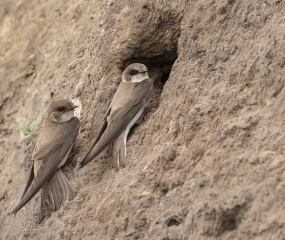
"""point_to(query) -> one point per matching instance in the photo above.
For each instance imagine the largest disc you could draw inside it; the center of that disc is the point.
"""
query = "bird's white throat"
(65, 117)
(137, 78)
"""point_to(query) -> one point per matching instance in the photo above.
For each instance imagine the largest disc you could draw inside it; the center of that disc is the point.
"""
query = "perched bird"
(53, 146)
(127, 107)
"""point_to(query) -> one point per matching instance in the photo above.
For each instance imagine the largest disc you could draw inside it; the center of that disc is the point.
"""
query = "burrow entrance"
(159, 71)
(156, 47)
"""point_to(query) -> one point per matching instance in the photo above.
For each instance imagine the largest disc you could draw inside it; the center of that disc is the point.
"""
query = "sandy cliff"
(208, 160)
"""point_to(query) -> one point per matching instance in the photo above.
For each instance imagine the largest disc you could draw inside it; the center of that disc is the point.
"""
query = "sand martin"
(53, 146)
(127, 106)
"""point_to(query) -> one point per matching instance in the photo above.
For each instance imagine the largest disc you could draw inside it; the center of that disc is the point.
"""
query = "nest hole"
(159, 67)
(159, 71)
(173, 221)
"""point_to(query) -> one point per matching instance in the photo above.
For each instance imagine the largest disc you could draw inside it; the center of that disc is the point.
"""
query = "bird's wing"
(30, 180)
(102, 130)
(50, 156)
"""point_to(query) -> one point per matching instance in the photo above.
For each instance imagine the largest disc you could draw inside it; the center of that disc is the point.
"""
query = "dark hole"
(159, 67)
(229, 224)
(159, 70)
(173, 221)
(164, 190)
(161, 187)
(229, 219)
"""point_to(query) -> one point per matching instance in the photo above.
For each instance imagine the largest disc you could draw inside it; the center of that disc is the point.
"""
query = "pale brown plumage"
(129, 101)
(55, 141)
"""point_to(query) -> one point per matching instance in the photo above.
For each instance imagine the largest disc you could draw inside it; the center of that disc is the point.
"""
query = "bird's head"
(61, 110)
(136, 72)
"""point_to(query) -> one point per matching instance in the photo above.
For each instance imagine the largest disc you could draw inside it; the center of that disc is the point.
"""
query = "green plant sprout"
(30, 132)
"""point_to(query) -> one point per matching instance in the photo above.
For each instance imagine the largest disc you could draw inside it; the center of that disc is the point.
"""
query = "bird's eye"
(60, 109)
(133, 72)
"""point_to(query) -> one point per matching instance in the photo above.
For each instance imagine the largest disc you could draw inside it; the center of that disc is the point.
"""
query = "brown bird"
(127, 107)
(53, 146)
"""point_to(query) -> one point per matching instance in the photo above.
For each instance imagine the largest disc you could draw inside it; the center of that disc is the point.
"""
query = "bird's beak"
(144, 70)
(73, 107)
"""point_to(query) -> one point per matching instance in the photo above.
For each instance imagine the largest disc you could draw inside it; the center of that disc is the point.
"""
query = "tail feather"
(54, 193)
(122, 154)
(119, 152)
(44, 207)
